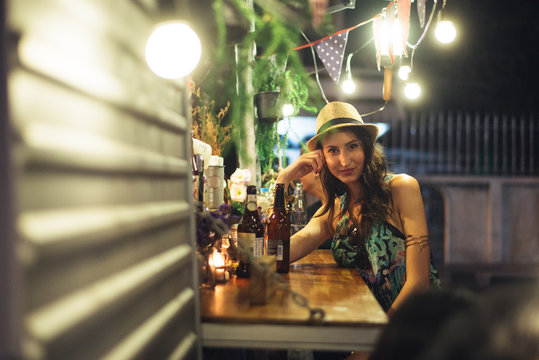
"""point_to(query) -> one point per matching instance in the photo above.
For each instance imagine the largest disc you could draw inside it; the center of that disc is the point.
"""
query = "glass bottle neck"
(278, 202)
(250, 202)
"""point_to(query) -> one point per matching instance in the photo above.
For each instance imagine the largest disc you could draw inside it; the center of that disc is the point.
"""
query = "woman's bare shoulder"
(403, 182)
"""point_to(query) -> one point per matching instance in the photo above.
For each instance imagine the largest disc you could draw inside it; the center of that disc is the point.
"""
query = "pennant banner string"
(337, 33)
(341, 31)
(316, 70)
(331, 52)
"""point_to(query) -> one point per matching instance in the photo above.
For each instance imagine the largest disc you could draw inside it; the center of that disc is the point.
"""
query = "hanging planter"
(268, 106)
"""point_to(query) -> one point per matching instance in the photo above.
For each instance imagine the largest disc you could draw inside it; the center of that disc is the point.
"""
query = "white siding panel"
(103, 215)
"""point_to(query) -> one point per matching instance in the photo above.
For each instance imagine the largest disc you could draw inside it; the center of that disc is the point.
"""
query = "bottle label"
(258, 247)
(251, 202)
(275, 247)
(251, 206)
(246, 243)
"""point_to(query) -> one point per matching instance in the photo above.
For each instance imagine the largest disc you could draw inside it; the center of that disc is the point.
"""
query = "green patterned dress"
(380, 260)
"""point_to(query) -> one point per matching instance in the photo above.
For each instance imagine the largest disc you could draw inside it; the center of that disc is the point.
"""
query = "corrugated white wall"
(102, 217)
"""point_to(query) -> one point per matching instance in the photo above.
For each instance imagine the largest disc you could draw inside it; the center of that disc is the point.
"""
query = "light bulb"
(288, 109)
(404, 71)
(173, 50)
(348, 86)
(445, 32)
(412, 91)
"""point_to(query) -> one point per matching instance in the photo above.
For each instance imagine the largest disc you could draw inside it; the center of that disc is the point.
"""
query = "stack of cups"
(215, 178)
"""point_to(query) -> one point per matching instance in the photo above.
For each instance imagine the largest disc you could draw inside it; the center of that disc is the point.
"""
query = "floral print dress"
(380, 260)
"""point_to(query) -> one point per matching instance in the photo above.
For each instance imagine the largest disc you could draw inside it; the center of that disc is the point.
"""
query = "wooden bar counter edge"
(353, 318)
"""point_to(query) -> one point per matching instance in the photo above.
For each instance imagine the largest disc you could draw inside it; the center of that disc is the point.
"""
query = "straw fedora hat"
(336, 115)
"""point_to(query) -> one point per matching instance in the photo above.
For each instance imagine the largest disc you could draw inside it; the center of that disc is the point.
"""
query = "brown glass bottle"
(250, 234)
(279, 231)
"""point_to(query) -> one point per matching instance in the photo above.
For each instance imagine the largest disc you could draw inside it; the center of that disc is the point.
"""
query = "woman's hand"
(308, 162)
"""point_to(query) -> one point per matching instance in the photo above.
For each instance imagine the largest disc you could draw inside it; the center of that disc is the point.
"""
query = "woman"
(377, 220)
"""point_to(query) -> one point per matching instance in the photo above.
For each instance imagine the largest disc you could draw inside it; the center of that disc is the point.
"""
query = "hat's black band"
(338, 121)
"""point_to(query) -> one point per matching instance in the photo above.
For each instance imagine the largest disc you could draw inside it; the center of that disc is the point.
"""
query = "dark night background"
(492, 64)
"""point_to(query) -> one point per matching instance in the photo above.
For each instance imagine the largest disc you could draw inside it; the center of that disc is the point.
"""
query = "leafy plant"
(276, 66)
(267, 137)
(208, 124)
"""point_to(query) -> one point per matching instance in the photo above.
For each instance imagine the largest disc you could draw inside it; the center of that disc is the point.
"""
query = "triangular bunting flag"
(421, 12)
(331, 52)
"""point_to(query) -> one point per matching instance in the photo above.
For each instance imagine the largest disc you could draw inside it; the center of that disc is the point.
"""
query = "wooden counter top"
(341, 293)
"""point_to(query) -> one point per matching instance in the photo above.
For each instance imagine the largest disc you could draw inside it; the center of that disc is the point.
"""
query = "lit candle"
(217, 263)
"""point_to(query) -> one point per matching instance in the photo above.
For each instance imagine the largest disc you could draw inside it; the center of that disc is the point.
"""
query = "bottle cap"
(216, 161)
(198, 164)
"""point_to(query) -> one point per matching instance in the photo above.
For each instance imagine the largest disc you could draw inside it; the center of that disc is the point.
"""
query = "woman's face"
(344, 156)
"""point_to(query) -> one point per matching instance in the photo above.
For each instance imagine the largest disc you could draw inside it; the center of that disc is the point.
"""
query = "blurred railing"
(463, 143)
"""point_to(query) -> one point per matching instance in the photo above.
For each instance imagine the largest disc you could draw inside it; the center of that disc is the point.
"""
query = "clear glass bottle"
(298, 218)
(278, 230)
(250, 234)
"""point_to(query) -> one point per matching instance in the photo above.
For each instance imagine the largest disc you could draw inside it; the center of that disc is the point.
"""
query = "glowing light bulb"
(445, 32)
(412, 91)
(404, 71)
(348, 86)
(173, 50)
(288, 109)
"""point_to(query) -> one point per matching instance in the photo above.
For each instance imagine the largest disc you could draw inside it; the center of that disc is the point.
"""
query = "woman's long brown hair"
(376, 202)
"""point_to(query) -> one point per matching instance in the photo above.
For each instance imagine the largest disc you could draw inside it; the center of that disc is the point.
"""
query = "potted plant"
(268, 74)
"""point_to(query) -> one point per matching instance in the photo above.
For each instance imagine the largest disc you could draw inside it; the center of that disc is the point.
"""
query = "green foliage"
(276, 66)
(266, 138)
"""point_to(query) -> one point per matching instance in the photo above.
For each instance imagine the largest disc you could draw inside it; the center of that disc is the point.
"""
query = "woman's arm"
(310, 237)
(317, 230)
(408, 204)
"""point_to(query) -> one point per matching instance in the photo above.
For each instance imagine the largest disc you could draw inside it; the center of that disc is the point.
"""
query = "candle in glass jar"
(218, 264)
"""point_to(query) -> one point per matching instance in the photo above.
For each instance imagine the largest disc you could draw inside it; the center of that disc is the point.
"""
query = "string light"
(445, 32)
(390, 40)
(412, 90)
(173, 50)
(404, 72)
(348, 86)
(389, 43)
(288, 109)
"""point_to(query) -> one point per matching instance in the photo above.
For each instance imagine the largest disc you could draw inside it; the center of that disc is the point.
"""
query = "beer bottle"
(279, 231)
(250, 234)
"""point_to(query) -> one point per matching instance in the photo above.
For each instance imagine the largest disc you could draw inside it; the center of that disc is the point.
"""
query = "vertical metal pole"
(477, 145)
(468, 145)
(522, 145)
(247, 146)
(404, 131)
(486, 145)
(414, 142)
(458, 144)
(532, 146)
(395, 122)
(423, 155)
(432, 150)
(496, 142)
(441, 137)
(505, 146)
(513, 145)
(449, 162)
